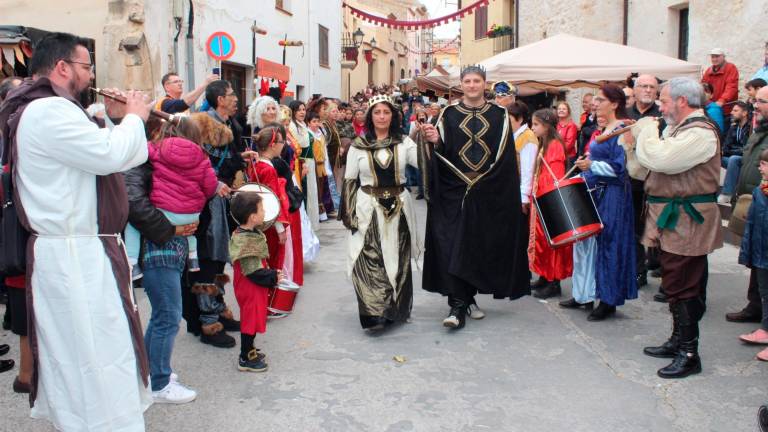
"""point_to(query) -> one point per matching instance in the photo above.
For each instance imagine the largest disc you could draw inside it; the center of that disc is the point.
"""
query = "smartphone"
(217, 71)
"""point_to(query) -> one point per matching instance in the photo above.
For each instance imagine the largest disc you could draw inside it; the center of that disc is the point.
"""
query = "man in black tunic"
(476, 240)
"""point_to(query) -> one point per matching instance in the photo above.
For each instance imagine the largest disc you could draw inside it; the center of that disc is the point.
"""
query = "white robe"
(359, 167)
(88, 373)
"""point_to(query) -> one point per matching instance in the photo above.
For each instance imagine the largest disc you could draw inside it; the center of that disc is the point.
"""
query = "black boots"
(601, 312)
(539, 284)
(457, 317)
(550, 289)
(686, 361)
(669, 348)
(571, 303)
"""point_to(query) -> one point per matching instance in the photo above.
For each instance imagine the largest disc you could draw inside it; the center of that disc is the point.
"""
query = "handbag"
(738, 218)
(13, 236)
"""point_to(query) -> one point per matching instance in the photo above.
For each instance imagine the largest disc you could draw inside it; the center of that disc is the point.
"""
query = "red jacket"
(568, 132)
(725, 85)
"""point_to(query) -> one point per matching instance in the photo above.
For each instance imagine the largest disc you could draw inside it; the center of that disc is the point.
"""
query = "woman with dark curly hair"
(376, 207)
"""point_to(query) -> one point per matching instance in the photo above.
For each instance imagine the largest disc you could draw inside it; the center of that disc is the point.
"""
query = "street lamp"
(373, 43)
(349, 47)
(357, 37)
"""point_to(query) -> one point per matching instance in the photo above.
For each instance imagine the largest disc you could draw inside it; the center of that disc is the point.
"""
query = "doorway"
(235, 74)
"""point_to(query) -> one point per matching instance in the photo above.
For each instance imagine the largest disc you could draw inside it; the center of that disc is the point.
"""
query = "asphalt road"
(528, 366)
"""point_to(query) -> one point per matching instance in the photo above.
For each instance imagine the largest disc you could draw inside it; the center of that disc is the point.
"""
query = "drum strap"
(671, 213)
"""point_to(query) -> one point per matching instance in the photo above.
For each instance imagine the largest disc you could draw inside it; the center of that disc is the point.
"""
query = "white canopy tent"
(570, 61)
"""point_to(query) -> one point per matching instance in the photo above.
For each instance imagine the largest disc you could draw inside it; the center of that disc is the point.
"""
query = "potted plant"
(496, 31)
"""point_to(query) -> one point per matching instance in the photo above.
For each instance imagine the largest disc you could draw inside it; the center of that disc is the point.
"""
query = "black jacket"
(736, 139)
(142, 214)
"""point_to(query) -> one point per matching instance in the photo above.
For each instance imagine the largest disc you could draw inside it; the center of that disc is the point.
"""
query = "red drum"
(281, 299)
(567, 212)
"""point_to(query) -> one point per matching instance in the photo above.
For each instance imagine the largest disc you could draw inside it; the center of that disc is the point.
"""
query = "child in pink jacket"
(183, 181)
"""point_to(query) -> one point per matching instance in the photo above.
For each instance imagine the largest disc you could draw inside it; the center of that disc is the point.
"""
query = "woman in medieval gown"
(377, 209)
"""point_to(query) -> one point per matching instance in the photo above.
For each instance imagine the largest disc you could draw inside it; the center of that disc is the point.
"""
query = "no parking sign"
(220, 46)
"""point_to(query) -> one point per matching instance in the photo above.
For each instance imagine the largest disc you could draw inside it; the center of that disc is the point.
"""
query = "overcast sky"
(439, 8)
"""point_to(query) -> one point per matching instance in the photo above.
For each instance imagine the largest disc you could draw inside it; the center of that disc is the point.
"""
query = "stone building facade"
(137, 41)
(681, 29)
(397, 54)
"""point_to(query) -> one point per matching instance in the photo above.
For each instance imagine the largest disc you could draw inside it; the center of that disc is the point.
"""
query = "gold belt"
(383, 192)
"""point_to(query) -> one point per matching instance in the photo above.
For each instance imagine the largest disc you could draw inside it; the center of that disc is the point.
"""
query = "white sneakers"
(174, 393)
(475, 312)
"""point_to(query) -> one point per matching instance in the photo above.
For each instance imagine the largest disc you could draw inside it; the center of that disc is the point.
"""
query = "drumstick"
(574, 165)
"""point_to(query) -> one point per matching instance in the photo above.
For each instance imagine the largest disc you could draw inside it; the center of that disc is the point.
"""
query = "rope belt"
(671, 213)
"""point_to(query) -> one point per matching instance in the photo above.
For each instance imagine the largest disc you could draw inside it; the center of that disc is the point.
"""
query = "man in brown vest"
(682, 215)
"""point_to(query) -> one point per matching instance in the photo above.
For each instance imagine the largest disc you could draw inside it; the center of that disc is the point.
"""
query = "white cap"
(717, 51)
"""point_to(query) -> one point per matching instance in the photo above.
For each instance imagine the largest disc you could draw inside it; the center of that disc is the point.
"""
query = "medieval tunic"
(604, 266)
(88, 372)
(475, 239)
(383, 234)
(309, 184)
(683, 217)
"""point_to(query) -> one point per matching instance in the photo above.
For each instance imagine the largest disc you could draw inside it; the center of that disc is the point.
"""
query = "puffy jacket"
(749, 177)
(150, 221)
(754, 244)
(183, 179)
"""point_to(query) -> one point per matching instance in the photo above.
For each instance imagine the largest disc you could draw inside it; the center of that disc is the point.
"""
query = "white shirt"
(527, 164)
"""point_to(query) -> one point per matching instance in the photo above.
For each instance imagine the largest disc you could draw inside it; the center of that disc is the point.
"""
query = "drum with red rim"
(567, 212)
(281, 299)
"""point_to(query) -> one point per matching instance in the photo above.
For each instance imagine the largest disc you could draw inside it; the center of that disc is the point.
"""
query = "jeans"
(732, 165)
(762, 285)
(133, 237)
(211, 307)
(163, 288)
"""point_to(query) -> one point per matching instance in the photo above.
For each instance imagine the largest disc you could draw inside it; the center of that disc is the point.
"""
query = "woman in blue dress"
(604, 266)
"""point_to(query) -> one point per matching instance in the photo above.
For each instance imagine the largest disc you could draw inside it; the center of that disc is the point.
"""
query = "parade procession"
(384, 215)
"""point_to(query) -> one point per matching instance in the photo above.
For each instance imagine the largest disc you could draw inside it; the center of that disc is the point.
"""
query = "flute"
(172, 118)
(617, 132)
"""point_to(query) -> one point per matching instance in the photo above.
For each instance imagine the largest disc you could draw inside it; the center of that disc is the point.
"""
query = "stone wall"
(735, 26)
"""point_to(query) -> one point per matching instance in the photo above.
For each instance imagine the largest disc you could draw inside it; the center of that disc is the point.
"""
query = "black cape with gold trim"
(476, 232)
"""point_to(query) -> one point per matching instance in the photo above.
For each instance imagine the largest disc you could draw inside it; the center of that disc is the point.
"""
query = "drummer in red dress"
(269, 143)
(252, 276)
(552, 265)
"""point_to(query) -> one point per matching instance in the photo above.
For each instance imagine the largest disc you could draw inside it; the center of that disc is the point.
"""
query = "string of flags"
(418, 24)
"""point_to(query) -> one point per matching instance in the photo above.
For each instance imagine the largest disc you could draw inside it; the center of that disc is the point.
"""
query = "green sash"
(671, 213)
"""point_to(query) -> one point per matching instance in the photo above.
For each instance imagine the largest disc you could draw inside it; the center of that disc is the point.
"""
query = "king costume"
(476, 235)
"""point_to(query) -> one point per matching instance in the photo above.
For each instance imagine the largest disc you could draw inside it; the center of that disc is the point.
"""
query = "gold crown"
(379, 98)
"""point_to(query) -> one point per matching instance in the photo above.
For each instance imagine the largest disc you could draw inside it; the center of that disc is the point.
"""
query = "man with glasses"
(749, 178)
(174, 100)
(226, 153)
(91, 369)
(646, 91)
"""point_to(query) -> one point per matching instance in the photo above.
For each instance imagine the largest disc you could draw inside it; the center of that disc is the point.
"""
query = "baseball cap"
(717, 51)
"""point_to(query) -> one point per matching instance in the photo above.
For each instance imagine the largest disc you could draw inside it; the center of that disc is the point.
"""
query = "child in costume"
(182, 182)
(252, 276)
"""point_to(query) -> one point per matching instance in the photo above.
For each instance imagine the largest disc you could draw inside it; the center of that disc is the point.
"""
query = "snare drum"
(281, 299)
(269, 200)
(567, 212)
